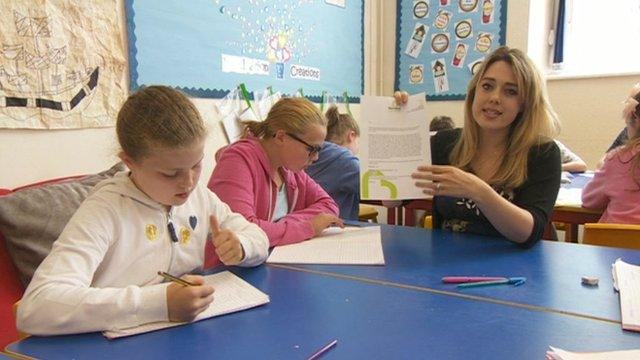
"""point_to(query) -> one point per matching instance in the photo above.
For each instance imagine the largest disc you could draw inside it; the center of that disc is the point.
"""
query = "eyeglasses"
(310, 148)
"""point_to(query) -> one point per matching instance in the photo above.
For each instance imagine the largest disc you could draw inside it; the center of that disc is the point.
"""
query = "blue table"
(420, 258)
(397, 311)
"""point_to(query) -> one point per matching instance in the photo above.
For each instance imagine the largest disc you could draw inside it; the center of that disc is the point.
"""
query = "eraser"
(590, 280)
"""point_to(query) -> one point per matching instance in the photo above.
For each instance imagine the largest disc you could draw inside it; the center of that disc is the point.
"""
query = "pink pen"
(468, 279)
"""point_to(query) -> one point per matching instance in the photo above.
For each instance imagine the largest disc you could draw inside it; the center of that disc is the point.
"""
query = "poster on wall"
(62, 64)
(207, 47)
(441, 43)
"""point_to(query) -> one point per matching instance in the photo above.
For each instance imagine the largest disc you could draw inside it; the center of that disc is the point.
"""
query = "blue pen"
(515, 281)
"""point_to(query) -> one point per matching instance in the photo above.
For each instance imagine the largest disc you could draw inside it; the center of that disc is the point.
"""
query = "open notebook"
(559, 354)
(232, 294)
(348, 246)
(626, 279)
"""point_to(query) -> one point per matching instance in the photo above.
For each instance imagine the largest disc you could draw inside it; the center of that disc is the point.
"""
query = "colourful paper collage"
(441, 43)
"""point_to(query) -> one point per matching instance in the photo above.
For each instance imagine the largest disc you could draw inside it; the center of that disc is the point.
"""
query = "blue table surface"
(370, 321)
(578, 180)
(420, 257)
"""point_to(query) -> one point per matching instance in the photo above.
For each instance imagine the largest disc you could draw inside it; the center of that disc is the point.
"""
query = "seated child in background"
(442, 122)
(570, 161)
(261, 175)
(615, 187)
(337, 169)
(624, 134)
(102, 271)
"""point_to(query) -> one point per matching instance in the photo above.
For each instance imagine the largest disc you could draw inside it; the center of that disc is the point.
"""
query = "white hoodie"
(101, 273)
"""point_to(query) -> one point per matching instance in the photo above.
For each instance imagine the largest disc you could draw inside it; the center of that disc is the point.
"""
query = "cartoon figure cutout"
(414, 47)
(440, 79)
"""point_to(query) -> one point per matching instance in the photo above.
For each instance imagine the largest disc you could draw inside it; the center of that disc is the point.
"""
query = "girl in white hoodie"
(101, 273)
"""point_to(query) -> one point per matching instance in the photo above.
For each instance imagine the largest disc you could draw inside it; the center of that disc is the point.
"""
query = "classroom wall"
(27, 156)
(516, 36)
(589, 108)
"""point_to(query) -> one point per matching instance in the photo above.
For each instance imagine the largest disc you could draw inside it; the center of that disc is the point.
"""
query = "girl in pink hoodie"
(261, 176)
(616, 186)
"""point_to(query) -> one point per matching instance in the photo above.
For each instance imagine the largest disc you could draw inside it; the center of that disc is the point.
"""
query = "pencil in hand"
(170, 277)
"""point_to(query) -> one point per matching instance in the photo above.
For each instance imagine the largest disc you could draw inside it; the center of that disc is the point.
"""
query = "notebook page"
(348, 246)
(569, 197)
(231, 294)
(628, 280)
(559, 354)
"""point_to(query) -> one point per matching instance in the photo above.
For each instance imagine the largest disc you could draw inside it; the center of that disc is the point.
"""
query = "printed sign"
(304, 72)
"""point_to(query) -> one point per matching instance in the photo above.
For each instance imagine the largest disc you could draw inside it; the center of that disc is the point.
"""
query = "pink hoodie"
(244, 180)
(613, 189)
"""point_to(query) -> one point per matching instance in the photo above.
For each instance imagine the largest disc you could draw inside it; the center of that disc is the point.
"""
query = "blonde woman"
(500, 174)
(261, 176)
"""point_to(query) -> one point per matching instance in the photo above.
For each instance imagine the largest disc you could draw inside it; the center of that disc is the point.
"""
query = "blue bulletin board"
(442, 42)
(207, 47)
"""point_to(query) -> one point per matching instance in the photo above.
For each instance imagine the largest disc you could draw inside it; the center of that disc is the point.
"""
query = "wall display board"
(441, 43)
(207, 47)
(62, 64)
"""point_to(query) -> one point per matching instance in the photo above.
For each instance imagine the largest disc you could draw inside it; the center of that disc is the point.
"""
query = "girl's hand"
(184, 303)
(323, 221)
(226, 243)
(444, 180)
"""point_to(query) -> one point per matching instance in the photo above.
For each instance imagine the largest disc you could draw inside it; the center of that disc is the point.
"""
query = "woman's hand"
(445, 180)
(402, 97)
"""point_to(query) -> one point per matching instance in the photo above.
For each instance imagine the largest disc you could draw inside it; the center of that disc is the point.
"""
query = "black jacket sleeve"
(539, 192)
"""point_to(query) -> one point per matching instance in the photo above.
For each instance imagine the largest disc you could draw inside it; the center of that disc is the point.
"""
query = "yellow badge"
(151, 231)
(185, 235)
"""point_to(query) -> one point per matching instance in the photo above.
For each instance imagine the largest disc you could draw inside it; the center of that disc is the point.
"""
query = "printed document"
(394, 140)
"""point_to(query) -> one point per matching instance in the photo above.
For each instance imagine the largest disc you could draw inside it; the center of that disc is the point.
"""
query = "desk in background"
(400, 310)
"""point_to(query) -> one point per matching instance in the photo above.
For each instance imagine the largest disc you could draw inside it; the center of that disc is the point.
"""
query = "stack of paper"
(559, 354)
(569, 197)
(348, 246)
(232, 294)
(626, 278)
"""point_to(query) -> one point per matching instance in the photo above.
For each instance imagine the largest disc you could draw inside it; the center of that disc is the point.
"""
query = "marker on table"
(515, 281)
(323, 350)
(170, 277)
(470, 279)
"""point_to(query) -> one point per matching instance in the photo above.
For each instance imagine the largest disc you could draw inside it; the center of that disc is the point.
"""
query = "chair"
(368, 213)
(21, 335)
(427, 223)
(616, 235)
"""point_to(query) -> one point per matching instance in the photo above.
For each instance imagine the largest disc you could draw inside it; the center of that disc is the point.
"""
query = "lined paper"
(231, 294)
(559, 354)
(348, 246)
(627, 278)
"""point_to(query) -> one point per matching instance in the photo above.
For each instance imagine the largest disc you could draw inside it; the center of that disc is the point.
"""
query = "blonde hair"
(339, 125)
(536, 123)
(293, 115)
(157, 116)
